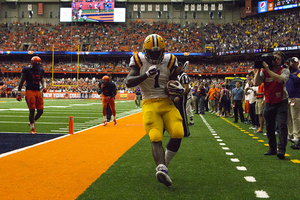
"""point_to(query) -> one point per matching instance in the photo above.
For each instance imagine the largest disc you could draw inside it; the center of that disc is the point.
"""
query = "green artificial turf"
(200, 170)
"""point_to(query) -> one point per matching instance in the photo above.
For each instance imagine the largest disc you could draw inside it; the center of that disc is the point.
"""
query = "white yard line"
(242, 169)
(10, 122)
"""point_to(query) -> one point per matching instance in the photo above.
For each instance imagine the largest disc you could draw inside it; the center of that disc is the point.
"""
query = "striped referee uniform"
(181, 105)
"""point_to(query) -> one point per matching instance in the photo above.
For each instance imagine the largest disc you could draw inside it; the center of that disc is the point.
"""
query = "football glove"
(176, 89)
(19, 97)
(44, 90)
(152, 71)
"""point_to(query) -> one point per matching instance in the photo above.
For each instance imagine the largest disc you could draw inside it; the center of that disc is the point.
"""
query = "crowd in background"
(96, 37)
(122, 66)
(253, 33)
(250, 33)
(90, 84)
(268, 31)
(82, 85)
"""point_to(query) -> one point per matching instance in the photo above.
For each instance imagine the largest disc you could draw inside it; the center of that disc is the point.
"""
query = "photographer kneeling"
(274, 76)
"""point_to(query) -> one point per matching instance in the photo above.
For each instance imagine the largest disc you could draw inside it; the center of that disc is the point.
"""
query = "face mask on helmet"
(154, 57)
(154, 49)
(36, 65)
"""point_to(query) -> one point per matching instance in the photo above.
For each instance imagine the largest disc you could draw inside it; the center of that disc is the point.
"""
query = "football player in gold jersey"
(152, 70)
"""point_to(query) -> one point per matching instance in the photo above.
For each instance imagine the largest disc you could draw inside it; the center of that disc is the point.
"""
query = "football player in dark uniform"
(108, 110)
(109, 91)
(33, 75)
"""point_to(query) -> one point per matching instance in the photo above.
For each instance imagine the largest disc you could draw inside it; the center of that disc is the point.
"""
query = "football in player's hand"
(175, 88)
(173, 82)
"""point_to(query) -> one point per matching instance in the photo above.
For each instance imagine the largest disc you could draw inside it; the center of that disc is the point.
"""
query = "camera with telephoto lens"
(268, 58)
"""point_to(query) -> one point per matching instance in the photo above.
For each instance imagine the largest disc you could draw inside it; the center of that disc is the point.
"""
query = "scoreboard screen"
(93, 11)
(273, 5)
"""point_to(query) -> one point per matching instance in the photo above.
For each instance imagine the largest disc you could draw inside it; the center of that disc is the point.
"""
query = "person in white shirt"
(250, 91)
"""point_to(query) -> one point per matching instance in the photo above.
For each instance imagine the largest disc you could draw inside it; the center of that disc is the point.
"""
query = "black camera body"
(268, 58)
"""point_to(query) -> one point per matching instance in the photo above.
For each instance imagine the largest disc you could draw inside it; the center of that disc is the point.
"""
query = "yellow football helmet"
(154, 49)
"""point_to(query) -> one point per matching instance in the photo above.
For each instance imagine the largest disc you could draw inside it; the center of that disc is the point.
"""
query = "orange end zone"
(64, 168)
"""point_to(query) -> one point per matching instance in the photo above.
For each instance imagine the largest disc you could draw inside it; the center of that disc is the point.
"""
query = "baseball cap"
(294, 59)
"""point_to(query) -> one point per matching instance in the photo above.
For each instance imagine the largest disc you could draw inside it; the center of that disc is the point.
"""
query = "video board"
(93, 11)
(274, 5)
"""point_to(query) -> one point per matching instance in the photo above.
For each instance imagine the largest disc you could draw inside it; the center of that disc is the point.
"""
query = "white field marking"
(229, 153)
(58, 110)
(77, 105)
(60, 131)
(3, 101)
(81, 125)
(222, 144)
(55, 107)
(78, 129)
(250, 179)
(214, 134)
(69, 106)
(219, 140)
(78, 99)
(20, 132)
(15, 109)
(132, 113)
(10, 122)
(98, 121)
(217, 136)
(81, 110)
(26, 116)
(234, 160)
(213, 131)
(261, 194)
(23, 149)
(38, 144)
(241, 168)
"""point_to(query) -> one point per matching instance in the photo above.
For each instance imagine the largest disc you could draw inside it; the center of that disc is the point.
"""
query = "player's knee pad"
(174, 126)
(155, 135)
(177, 130)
